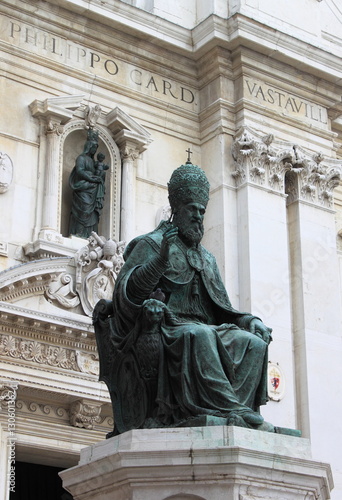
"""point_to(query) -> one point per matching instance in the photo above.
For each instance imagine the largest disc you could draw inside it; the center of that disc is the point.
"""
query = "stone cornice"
(317, 55)
(58, 328)
(132, 20)
(60, 109)
(319, 60)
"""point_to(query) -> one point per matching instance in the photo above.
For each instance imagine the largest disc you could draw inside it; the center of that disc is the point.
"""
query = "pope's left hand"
(258, 328)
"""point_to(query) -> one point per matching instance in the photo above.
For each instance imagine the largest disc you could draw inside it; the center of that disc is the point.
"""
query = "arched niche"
(71, 145)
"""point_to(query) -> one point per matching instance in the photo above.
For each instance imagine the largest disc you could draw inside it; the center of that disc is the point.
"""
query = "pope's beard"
(191, 231)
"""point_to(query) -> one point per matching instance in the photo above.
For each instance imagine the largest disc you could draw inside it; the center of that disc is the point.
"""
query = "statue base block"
(199, 463)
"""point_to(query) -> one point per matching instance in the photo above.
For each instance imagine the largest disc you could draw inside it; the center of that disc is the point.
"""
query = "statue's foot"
(245, 418)
(235, 419)
(252, 418)
(266, 426)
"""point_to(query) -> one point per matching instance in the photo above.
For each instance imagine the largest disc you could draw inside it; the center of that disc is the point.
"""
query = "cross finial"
(189, 153)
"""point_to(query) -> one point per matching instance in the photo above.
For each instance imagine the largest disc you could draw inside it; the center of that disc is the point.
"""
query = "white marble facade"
(253, 87)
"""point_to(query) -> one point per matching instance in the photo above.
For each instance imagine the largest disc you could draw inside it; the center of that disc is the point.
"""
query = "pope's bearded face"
(189, 220)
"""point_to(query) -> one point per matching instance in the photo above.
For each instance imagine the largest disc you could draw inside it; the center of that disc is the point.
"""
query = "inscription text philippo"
(106, 66)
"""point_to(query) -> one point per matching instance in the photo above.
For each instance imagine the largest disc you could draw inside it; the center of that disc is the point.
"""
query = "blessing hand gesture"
(168, 238)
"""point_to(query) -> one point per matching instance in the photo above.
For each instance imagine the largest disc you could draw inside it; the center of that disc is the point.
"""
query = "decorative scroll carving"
(6, 172)
(7, 394)
(85, 414)
(41, 409)
(128, 153)
(263, 161)
(81, 413)
(98, 265)
(53, 128)
(339, 240)
(61, 289)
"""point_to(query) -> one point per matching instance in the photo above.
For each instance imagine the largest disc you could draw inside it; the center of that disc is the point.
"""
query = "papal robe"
(210, 364)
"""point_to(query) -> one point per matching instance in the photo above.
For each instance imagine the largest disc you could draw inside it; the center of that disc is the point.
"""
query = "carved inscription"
(67, 52)
(284, 102)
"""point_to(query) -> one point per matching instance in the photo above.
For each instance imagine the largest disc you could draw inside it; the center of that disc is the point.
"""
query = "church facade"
(250, 90)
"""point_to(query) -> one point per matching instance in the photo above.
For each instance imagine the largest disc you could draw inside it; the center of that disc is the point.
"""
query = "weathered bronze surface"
(172, 348)
(87, 183)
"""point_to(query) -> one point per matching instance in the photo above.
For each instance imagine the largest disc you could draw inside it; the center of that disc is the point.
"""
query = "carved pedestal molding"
(199, 463)
(268, 163)
(53, 113)
(132, 140)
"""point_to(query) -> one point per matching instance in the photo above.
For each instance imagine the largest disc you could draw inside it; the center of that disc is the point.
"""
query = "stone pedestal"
(211, 463)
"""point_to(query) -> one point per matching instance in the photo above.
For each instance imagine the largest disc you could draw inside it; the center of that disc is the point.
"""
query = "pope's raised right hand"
(168, 238)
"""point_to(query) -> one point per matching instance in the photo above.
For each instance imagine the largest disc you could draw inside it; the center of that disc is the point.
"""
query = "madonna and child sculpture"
(173, 351)
(87, 183)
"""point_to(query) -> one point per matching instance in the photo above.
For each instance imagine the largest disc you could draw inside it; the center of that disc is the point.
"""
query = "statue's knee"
(258, 343)
(202, 332)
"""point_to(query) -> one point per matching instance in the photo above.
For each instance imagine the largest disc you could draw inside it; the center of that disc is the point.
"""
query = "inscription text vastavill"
(286, 103)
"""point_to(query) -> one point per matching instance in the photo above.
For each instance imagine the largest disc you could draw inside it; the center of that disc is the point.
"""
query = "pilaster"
(286, 216)
(129, 153)
(316, 306)
(260, 168)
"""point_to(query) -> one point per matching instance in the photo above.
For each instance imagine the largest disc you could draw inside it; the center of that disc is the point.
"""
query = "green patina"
(87, 183)
(172, 348)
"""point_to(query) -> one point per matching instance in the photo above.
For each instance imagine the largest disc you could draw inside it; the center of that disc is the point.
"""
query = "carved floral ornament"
(48, 355)
(266, 162)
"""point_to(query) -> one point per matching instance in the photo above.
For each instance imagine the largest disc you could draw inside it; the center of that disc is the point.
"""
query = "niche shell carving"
(6, 172)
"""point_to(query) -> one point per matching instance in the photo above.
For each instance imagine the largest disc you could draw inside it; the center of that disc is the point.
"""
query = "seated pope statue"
(211, 358)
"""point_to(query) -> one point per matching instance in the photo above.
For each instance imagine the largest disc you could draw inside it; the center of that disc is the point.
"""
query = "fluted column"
(129, 153)
(50, 213)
